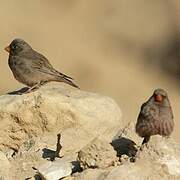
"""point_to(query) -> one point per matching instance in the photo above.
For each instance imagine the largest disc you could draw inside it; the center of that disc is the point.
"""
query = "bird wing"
(145, 112)
(42, 64)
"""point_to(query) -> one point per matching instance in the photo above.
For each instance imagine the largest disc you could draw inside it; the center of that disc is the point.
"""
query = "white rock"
(54, 170)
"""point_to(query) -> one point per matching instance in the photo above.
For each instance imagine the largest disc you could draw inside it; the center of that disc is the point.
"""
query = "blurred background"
(120, 48)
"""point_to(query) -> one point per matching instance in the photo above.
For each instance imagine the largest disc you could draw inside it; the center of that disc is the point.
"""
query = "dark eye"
(14, 47)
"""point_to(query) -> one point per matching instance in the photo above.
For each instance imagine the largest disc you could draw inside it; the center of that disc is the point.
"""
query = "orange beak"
(7, 49)
(158, 98)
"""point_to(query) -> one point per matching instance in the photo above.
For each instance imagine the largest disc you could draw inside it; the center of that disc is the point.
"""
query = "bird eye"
(14, 47)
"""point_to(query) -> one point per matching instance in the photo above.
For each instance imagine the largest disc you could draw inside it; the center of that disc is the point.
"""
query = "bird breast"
(154, 120)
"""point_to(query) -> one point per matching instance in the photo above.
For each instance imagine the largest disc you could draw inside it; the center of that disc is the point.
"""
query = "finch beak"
(7, 49)
(158, 98)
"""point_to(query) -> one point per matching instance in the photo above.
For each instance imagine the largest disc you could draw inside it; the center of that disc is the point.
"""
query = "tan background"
(120, 48)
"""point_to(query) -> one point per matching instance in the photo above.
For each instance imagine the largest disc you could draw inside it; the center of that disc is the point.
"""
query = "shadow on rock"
(124, 146)
(18, 92)
(48, 153)
(76, 167)
(36, 177)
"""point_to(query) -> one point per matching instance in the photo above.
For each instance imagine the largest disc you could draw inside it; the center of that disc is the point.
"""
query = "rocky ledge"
(62, 132)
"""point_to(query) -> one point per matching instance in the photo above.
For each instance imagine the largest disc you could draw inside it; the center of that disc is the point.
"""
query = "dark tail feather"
(70, 83)
(64, 76)
(67, 81)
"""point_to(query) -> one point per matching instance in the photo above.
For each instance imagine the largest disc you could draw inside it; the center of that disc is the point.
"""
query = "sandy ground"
(81, 39)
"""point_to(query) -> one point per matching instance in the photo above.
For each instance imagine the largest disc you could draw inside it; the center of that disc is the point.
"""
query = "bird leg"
(35, 87)
(145, 141)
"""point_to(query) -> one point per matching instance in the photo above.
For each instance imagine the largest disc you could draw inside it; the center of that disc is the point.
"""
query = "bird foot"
(145, 145)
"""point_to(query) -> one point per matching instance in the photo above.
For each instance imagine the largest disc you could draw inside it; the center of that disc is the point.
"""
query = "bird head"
(17, 46)
(160, 97)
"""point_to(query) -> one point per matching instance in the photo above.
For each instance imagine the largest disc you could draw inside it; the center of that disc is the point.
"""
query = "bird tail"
(67, 81)
(64, 76)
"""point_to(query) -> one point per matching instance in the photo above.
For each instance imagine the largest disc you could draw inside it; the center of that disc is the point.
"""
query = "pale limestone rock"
(30, 124)
(79, 116)
(92, 174)
(165, 152)
(97, 154)
(4, 167)
(159, 160)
